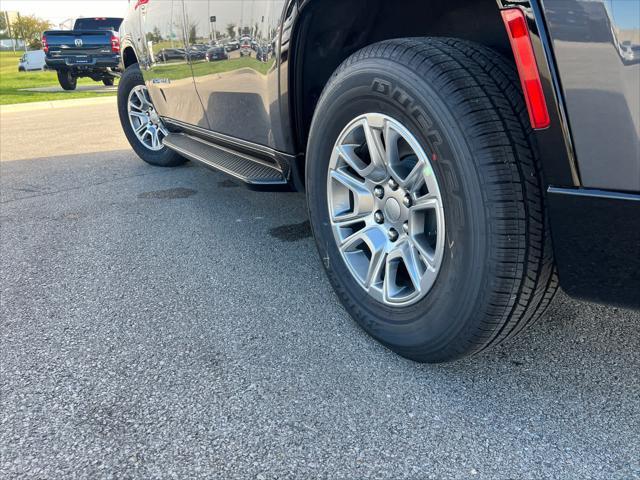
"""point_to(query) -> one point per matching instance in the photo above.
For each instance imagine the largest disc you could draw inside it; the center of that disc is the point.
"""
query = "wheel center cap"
(392, 210)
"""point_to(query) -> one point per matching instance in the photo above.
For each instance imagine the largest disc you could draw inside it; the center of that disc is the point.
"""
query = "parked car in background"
(216, 53)
(197, 53)
(262, 53)
(245, 48)
(168, 54)
(232, 45)
(31, 61)
(460, 159)
(91, 49)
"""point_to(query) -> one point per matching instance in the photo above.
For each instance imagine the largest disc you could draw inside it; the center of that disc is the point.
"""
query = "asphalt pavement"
(169, 323)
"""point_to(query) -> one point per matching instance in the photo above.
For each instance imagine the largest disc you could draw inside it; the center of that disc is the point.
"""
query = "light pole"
(212, 21)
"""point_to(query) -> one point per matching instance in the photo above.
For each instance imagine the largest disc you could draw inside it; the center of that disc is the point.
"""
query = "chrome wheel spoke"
(377, 264)
(429, 201)
(141, 116)
(163, 130)
(375, 146)
(412, 263)
(141, 130)
(391, 138)
(362, 201)
(371, 236)
(427, 258)
(414, 180)
(155, 140)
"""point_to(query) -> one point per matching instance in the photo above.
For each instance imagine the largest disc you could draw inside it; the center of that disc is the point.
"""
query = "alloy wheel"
(386, 210)
(144, 119)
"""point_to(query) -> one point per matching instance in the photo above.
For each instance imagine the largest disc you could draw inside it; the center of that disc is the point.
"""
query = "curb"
(74, 102)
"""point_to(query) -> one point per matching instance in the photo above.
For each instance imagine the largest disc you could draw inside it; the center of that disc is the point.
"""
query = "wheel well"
(328, 31)
(129, 57)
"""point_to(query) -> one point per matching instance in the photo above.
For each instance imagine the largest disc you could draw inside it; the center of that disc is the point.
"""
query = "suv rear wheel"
(426, 200)
(141, 123)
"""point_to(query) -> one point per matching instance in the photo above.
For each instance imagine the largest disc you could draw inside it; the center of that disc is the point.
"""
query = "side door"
(597, 47)
(165, 64)
(238, 80)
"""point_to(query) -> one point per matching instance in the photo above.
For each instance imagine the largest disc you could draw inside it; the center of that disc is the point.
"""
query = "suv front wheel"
(425, 197)
(141, 122)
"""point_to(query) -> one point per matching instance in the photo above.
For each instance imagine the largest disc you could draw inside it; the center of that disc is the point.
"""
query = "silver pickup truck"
(461, 159)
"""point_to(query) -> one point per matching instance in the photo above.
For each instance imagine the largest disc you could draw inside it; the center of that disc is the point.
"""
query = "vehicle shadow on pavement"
(162, 308)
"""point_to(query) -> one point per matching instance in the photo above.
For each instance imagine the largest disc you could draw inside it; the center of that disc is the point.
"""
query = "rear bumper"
(59, 63)
(596, 237)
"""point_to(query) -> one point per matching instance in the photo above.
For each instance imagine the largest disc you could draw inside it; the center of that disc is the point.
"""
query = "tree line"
(28, 28)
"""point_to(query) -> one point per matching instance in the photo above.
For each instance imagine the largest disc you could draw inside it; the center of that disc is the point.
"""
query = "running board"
(256, 173)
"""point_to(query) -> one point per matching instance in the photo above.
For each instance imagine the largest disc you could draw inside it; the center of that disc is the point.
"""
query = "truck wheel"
(108, 81)
(426, 199)
(67, 80)
(141, 123)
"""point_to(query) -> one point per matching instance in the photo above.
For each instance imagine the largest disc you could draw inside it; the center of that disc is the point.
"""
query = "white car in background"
(32, 61)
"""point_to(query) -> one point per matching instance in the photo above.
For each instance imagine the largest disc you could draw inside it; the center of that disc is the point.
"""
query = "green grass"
(178, 71)
(11, 81)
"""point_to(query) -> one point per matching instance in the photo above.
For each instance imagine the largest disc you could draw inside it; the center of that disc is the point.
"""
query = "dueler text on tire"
(141, 123)
(426, 199)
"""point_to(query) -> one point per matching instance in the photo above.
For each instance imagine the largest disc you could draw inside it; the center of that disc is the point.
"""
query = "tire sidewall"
(445, 313)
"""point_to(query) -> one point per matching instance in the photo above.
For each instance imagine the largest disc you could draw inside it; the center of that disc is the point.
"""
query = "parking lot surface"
(167, 323)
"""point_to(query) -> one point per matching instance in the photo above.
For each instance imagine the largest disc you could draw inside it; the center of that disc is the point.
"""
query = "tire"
(67, 80)
(108, 81)
(463, 103)
(131, 78)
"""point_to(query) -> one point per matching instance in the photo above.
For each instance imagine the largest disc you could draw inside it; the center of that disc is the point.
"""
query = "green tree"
(231, 30)
(4, 28)
(155, 36)
(29, 28)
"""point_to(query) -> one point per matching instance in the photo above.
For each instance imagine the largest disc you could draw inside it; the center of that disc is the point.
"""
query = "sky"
(57, 11)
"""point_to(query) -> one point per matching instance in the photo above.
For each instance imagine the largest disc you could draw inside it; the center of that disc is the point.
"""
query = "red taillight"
(45, 45)
(140, 3)
(518, 32)
(115, 44)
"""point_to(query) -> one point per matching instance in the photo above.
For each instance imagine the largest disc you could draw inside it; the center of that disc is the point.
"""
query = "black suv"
(456, 156)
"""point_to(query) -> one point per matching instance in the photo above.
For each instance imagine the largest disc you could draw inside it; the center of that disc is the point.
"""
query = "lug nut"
(393, 185)
(393, 234)
(407, 201)
(378, 191)
(405, 227)
(378, 217)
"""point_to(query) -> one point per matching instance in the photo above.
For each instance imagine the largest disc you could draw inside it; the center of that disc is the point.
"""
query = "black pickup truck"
(91, 49)
(461, 159)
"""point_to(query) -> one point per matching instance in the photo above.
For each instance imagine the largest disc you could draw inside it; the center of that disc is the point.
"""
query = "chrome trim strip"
(595, 193)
